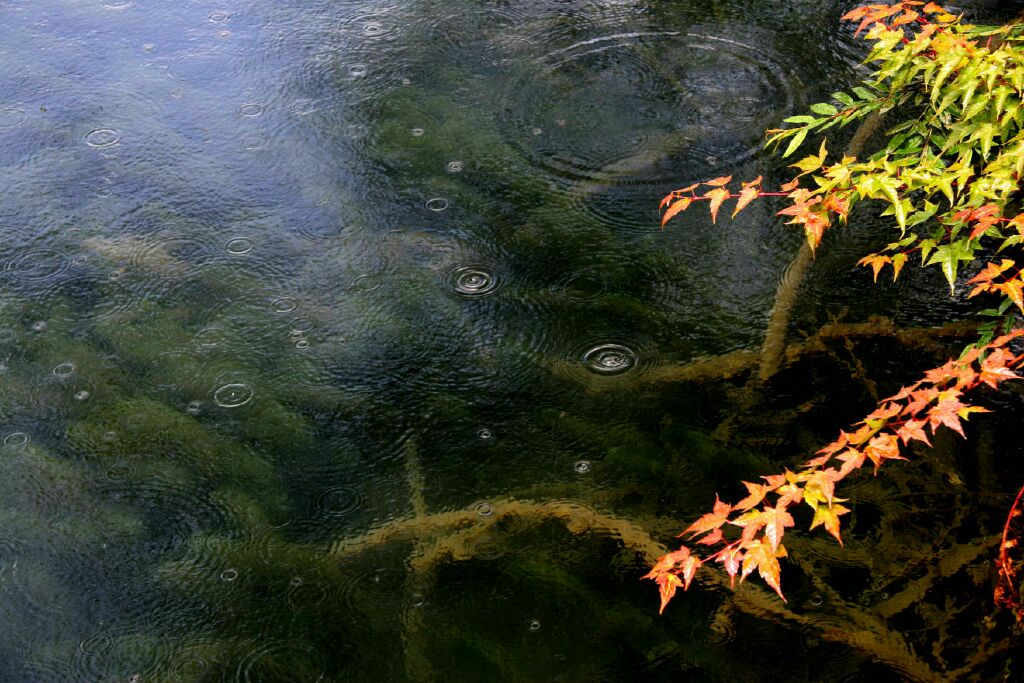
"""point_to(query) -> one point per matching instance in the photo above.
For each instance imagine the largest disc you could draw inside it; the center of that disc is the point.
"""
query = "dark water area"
(339, 342)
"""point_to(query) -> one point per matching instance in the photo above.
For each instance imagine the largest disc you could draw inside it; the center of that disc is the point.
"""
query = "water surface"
(339, 342)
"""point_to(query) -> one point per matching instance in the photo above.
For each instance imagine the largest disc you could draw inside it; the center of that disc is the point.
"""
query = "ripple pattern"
(692, 99)
(474, 281)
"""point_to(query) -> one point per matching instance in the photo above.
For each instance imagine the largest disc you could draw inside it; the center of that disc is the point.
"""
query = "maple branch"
(934, 401)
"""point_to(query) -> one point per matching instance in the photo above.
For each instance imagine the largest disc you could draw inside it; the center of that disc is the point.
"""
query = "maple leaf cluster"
(946, 175)
(761, 518)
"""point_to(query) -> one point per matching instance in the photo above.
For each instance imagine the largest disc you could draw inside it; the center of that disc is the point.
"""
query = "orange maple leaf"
(712, 538)
(719, 182)
(994, 370)
(945, 413)
(992, 271)
(747, 194)
(828, 515)
(761, 556)
(756, 493)
(717, 197)
(913, 430)
(732, 558)
(776, 521)
(712, 520)
(876, 261)
(678, 206)
(1014, 289)
(881, 448)
(852, 459)
(838, 204)
(905, 18)
(667, 585)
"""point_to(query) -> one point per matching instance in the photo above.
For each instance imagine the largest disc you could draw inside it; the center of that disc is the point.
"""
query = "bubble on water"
(233, 395)
(302, 344)
(417, 132)
(816, 600)
(219, 17)
(250, 110)
(239, 245)
(11, 117)
(406, 81)
(295, 581)
(534, 625)
(64, 370)
(437, 204)
(39, 326)
(473, 281)
(373, 28)
(537, 131)
(102, 137)
(417, 600)
(609, 359)
(485, 434)
(284, 304)
(455, 166)
(229, 575)
(581, 466)
(16, 439)
(109, 436)
(484, 509)
(82, 395)
(357, 70)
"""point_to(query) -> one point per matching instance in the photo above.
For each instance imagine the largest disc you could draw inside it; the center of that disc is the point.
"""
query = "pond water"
(339, 342)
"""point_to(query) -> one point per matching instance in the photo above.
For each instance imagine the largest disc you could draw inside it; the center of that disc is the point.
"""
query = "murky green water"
(338, 342)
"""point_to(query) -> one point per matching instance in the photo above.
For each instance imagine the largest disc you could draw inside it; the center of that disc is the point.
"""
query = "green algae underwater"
(339, 342)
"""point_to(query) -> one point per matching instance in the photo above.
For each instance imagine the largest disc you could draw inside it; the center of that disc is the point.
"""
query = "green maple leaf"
(949, 256)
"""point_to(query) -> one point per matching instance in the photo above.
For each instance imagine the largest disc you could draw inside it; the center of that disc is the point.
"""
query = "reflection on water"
(339, 340)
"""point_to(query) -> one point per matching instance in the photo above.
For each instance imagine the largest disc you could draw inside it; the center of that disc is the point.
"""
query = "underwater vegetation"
(340, 342)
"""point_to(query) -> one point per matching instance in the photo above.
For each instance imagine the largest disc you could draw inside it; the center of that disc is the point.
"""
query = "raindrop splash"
(233, 395)
(473, 281)
(609, 359)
